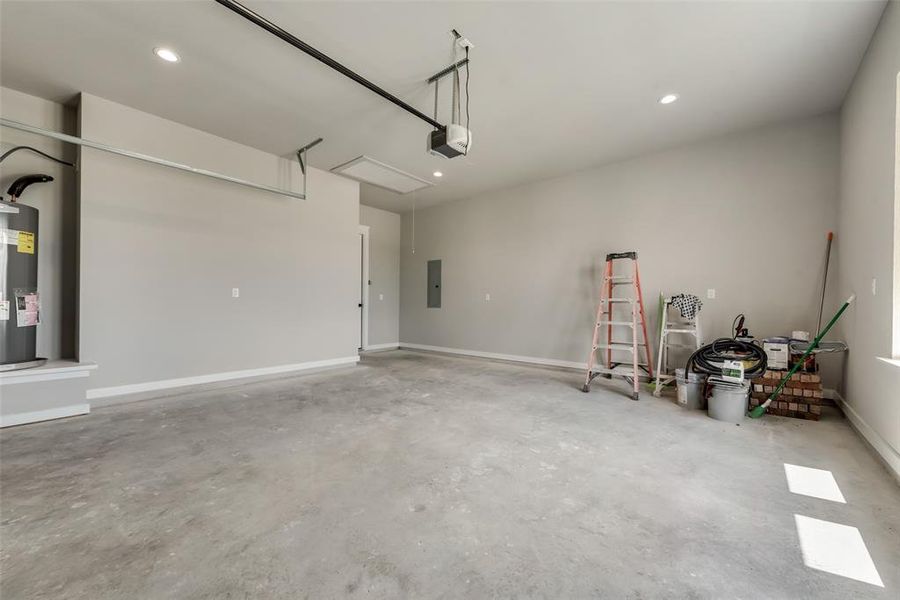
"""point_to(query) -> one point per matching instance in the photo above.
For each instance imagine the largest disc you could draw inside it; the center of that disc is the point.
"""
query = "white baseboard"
(391, 346)
(165, 384)
(44, 415)
(889, 456)
(533, 360)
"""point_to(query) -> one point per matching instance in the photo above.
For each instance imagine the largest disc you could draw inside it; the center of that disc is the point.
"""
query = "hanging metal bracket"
(301, 153)
(71, 139)
(448, 70)
(301, 157)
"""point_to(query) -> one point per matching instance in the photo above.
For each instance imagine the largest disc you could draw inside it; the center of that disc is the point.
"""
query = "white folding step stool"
(681, 327)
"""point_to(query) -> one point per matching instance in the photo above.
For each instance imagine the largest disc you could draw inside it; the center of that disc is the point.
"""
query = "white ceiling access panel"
(369, 170)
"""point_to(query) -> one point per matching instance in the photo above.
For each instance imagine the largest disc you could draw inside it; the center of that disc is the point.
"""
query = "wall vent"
(369, 170)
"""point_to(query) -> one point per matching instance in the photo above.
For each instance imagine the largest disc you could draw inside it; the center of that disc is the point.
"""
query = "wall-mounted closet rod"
(71, 139)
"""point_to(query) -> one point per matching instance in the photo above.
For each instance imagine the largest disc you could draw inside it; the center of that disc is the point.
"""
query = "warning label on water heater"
(22, 240)
(28, 310)
(25, 242)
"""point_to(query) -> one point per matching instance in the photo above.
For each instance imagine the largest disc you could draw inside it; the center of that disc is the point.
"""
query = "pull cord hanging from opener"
(454, 139)
(455, 116)
(468, 130)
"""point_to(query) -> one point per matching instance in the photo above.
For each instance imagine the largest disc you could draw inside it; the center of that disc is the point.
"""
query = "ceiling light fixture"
(438, 174)
(668, 99)
(166, 54)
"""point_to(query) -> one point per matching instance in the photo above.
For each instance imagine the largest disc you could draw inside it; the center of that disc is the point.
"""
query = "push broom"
(761, 409)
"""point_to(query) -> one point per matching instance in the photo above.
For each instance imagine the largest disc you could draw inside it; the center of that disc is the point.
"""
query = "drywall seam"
(546, 362)
(44, 415)
(165, 384)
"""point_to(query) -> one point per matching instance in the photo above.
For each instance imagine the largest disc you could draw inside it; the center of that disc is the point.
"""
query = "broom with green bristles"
(761, 409)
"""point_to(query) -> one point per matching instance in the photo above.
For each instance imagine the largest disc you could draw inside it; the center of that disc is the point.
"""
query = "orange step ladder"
(631, 320)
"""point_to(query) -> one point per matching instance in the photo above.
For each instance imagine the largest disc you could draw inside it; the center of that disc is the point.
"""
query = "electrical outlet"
(711, 293)
(874, 286)
(381, 296)
(235, 292)
(487, 297)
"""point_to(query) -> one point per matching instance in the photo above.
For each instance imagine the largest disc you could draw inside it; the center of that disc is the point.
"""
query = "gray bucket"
(728, 401)
(690, 389)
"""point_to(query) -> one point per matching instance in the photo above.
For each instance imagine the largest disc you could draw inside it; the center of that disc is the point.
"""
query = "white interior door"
(362, 286)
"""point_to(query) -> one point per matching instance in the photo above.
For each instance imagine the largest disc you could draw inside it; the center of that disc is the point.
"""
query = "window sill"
(891, 361)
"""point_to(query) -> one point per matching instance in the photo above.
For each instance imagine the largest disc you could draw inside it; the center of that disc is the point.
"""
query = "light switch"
(874, 286)
(711, 293)
(381, 296)
(235, 292)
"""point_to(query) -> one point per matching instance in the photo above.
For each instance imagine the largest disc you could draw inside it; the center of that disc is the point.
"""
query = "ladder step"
(619, 280)
(692, 331)
(687, 346)
(631, 300)
(622, 347)
(628, 323)
(620, 372)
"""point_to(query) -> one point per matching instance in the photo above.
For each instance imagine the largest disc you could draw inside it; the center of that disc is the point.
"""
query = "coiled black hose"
(708, 359)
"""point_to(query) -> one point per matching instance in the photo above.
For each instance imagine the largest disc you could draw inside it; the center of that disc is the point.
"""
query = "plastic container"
(728, 401)
(690, 389)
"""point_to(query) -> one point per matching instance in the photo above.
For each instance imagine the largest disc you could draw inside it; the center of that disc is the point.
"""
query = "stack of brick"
(801, 397)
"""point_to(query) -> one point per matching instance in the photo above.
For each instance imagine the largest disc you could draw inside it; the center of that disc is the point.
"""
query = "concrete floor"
(425, 476)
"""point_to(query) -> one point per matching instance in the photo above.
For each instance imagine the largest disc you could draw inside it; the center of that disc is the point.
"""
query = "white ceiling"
(556, 87)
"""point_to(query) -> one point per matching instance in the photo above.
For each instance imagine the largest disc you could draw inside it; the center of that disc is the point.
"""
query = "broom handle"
(824, 281)
(812, 346)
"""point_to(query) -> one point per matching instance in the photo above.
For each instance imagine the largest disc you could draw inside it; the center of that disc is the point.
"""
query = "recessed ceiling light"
(438, 174)
(166, 54)
(668, 99)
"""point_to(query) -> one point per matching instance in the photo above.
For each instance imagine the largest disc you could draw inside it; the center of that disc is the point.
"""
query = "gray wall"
(868, 248)
(56, 202)
(744, 214)
(384, 273)
(162, 249)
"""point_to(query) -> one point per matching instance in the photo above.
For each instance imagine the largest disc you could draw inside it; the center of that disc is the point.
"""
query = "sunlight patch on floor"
(837, 549)
(817, 483)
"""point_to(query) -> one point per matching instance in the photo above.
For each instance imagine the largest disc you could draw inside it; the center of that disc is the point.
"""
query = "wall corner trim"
(889, 457)
(388, 346)
(165, 384)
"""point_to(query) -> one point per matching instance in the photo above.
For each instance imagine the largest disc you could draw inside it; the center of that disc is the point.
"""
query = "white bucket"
(728, 401)
(690, 389)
